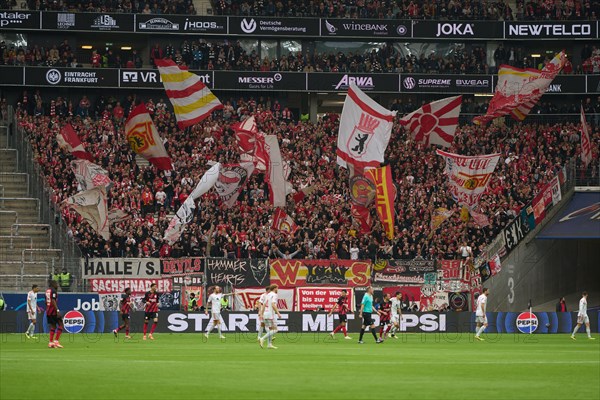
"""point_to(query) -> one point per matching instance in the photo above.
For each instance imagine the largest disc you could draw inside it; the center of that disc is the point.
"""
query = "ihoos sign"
(120, 267)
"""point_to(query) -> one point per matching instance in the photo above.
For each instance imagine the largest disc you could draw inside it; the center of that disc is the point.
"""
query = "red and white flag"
(303, 193)
(245, 133)
(586, 144)
(518, 90)
(143, 138)
(89, 174)
(68, 139)
(480, 219)
(283, 223)
(468, 176)
(364, 132)
(192, 101)
(434, 123)
(93, 207)
(495, 265)
(231, 181)
(362, 217)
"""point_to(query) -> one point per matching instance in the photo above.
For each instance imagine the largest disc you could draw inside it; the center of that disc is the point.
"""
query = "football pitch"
(305, 366)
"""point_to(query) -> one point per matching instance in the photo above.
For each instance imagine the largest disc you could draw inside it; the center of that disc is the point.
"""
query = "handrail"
(34, 226)
(11, 237)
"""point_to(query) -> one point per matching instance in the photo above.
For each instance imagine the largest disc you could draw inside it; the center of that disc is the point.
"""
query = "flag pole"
(530, 314)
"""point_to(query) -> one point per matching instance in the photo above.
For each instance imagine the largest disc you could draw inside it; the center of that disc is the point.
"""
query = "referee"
(366, 309)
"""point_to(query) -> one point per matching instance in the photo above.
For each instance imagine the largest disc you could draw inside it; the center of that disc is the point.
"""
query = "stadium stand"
(532, 153)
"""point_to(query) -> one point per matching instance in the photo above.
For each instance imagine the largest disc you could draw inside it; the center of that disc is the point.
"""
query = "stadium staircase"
(26, 252)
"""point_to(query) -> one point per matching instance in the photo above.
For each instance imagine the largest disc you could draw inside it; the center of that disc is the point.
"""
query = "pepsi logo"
(74, 321)
(527, 322)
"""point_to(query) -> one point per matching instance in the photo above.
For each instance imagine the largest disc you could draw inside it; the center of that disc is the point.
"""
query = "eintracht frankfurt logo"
(53, 76)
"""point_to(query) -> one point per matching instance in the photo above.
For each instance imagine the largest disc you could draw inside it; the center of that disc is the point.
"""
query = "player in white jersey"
(396, 314)
(269, 310)
(480, 316)
(259, 304)
(32, 310)
(214, 303)
(582, 317)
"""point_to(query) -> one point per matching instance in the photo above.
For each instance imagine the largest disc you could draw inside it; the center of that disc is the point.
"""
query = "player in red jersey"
(342, 309)
(53, 315)
(125, 309)
(151, 309)
(385, 316)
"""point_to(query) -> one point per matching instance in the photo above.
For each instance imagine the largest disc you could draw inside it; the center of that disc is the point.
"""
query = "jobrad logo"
(527, 322)
(74, 321)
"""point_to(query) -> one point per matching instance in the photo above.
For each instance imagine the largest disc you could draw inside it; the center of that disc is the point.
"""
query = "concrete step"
(13, 177)
(14, 190)
(8, 167)
(51, 256)
(22, 283)
(33, 230)
(29, 268)
(19, 203)
(22, 242)
(10, 217)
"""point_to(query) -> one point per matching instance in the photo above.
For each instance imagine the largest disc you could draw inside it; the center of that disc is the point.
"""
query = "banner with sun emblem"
(434, 123)
(468, 176)
(143, 138)
(362, 190)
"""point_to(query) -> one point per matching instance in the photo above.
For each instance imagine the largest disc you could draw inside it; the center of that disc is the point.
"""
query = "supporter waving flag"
(192, 100)
(586, 145)
(385, 194)
(92, 206)
(364, 133)
(142, 136)
(468, 176)
(68, 139)
(251, 143)
(434, 123)
(232, 179)
(283, 223)
(186, 212)
(518, 90)
(89, 174)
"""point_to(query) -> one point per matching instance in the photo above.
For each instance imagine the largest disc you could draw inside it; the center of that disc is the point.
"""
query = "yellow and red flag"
(143, 138)
(384, 197)
(192, 100)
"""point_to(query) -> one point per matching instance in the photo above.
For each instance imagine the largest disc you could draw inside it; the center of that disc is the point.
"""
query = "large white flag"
(468, 176)
(364, 133)
(89, 174)
(186, 212)
(92, 206)
(278, 186)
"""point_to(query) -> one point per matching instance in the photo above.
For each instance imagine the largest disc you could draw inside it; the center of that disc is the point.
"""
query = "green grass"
(308, 366)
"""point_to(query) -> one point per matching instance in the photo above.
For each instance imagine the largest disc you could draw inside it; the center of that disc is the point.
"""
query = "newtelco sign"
(551, 30)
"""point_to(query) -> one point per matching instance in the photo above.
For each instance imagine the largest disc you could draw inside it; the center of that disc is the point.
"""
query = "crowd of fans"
(377, 9)
(412, 9)
(226, 55)
(531, 155)
(122, 6)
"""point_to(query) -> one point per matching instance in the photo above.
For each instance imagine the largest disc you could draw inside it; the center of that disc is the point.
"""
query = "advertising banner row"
(280, 81)
(90, 322)
(295, 27)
